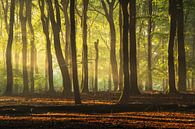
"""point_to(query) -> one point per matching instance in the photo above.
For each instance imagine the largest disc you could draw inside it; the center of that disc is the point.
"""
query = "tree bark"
(133, 51)
(85, 47)
(49, 63)
(9, 87)
(109, 16)
(126, 89)
(23, 20)
(56, 27)
(74, 53)
(149, 85)
(181, 48)
(121, 50)
(171, 68)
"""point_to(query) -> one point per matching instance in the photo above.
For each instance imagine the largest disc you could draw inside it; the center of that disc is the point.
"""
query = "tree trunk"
(126, 89)
(9, 87)
(109, 16)
(171, 68)
(193, 57)
(96, 65)
(181, 48)
(56, 27)
(23, 20)
(74, 53)
(32, 38)
(121, 50)
(85, 47)
(49, 63)
(133, 51)
(149, 85)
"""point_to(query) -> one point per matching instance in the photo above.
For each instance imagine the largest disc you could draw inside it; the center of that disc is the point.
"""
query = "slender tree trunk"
(181, 48)
(149, 85)
(96, 65)
(74, 54)
(126, 89)
(32, 38)
(56, 27)
(9, 87)
(85, 47)
(109, 16)
(23, 20)
(171, 68)
(49, 63)
(121, 50)
(193, 57)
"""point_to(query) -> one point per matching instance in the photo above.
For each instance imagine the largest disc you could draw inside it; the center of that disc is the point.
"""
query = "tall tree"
(85, 47)
(109, 11)
(193, 56)
(74, 54)
(181, 48)
(173, 15)
(133, 60)
(9, 88)
(121, 50)
(126, 89)
(23, 22)
(56, 27)
(149, 84)
(45, 24)
(32, 44)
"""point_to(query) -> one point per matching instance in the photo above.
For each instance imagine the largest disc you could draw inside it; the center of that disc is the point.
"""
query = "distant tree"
(9, 87)
(171, 68)
(56, 27)
(23, 22)
(45, 24)
(74, 54)
(85, 47)
(181, 47)
(96, 44)
(133, 50)
(126, 89)
(32, 44)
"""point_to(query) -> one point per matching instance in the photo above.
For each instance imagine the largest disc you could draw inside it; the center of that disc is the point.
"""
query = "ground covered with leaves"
(146, 111)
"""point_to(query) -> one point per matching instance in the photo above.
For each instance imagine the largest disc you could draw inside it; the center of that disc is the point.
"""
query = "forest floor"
(97, 111)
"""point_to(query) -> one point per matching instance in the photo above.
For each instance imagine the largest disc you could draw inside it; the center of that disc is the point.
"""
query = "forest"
(97, 64)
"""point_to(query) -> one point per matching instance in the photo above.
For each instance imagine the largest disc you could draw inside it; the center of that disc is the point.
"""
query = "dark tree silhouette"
(9, 87)
(85, 47)
(121, 50)
(173, 15)
(45, 24)
(181, 47)
(74, 54)
(149, 83)
(133, 61)
(126, 89)
(56, 27)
